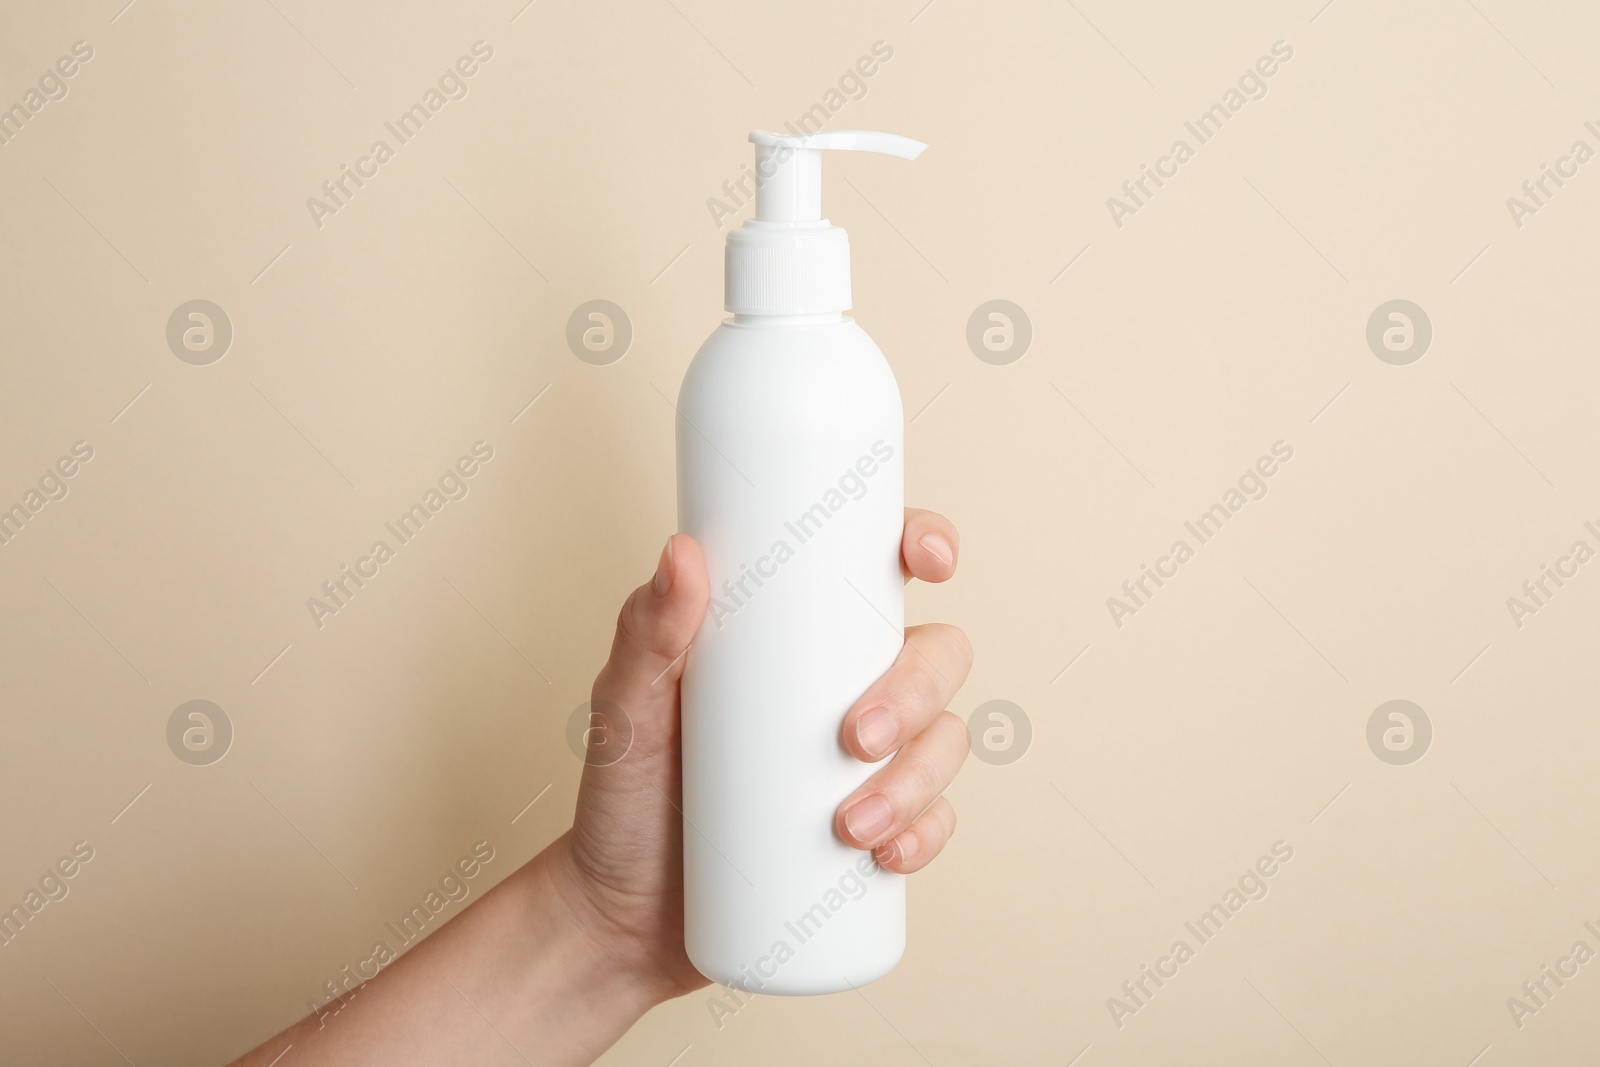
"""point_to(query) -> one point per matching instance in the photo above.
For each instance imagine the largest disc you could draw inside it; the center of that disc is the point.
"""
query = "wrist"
(604, 957)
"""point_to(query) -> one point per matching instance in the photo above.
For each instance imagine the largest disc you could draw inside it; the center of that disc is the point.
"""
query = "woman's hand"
(624, 855)
(564, 955)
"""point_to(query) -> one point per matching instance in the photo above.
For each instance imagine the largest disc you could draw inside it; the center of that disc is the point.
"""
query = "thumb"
(654, 631)
(627, 824)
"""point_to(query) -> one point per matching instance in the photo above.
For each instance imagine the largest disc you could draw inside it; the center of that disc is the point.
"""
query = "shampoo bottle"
(790, 476)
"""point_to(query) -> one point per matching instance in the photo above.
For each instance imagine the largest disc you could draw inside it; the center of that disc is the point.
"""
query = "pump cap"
(788, 259)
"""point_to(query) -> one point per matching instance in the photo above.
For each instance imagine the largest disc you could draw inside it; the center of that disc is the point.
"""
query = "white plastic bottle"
(790, 476)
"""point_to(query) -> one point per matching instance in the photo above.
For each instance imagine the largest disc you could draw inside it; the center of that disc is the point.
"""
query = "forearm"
(525, 966)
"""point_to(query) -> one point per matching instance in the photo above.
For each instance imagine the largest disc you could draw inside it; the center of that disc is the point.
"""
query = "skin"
(556, 962)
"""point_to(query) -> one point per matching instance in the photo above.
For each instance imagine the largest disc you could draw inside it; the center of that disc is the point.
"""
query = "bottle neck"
(823, 318)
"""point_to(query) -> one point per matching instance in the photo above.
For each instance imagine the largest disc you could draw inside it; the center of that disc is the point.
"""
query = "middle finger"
(931, 666)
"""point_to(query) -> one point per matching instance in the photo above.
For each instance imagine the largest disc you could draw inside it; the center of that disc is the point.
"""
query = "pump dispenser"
(788, 259)
(790, 476)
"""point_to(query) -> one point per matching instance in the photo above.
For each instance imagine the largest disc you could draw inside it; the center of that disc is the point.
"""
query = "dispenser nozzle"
(789, 168)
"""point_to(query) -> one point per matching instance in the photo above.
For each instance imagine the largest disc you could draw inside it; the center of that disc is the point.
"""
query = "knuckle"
(911, 684)
(953, 644)
(930, 684)
(963, 645)
(923, 777)
(952, 730)
(637, 630)
(921, 656)
(627, 621)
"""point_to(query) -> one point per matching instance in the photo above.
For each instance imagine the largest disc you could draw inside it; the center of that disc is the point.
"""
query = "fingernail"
(937, 547)
(898, 851)
(876, 732)
(663, 579)
(868, 818)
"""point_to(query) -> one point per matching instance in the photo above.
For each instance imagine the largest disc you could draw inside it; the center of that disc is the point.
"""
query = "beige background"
(426, 314)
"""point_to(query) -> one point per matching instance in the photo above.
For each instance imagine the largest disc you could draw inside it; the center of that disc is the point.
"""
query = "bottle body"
(790, 477)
